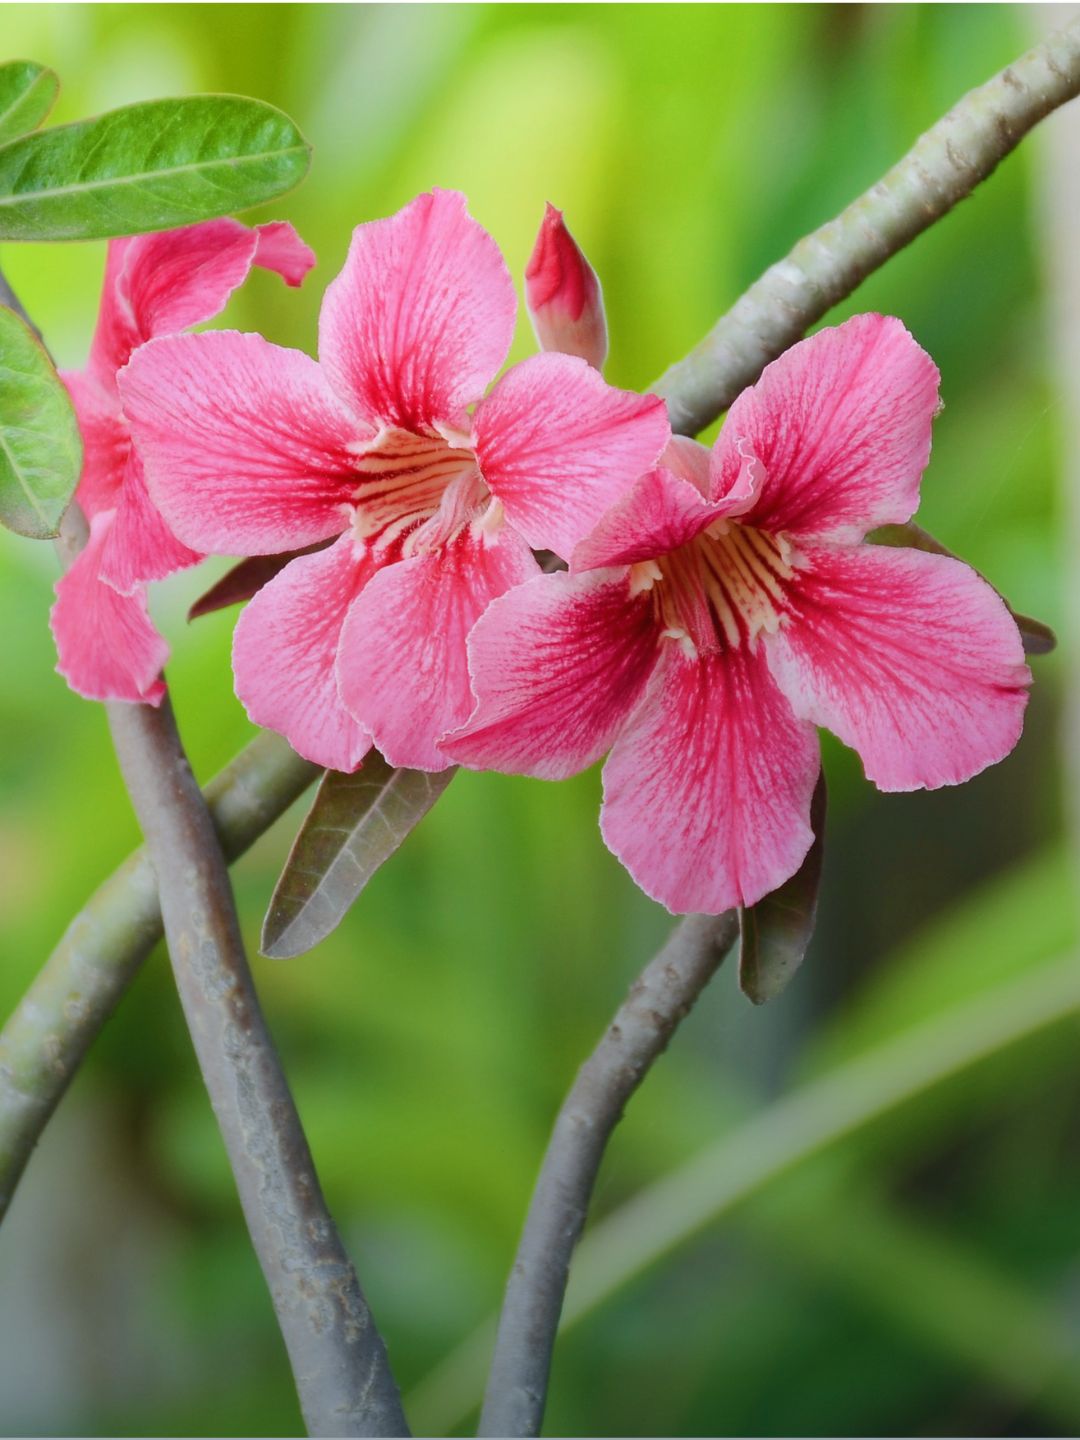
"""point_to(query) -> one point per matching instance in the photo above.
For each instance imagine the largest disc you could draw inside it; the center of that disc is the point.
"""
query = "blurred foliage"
(430, 1039)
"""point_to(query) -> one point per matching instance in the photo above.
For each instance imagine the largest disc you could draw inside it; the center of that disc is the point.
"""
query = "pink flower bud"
(563, 294)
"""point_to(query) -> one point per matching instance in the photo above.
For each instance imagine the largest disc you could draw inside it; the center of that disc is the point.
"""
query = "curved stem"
(941, 169)
(102, 950)
(662, 995)
(337, 1355)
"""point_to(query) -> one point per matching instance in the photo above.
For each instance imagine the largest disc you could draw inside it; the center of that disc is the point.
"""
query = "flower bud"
(563, 294)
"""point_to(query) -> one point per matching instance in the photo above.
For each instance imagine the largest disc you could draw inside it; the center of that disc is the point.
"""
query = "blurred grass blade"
(148, 167)
(40, 450)
(819, 1114)
(775, 933)
(355, 824)
(244, 580)
(1038, 638)
(27, 93)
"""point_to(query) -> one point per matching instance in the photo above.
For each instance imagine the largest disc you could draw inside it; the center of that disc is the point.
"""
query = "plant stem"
(337, 1355)
(941, 169)
(819, 1114)
(81, 983)
(662, 995)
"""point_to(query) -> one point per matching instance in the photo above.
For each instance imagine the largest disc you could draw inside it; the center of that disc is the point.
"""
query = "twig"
(662, 995)
(941, 169)
(79, 986)
(338, 1358)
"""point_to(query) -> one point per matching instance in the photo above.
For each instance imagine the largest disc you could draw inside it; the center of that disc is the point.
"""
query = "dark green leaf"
(355, 824)
(40, 451)
(148, 167)
(776, 932)
(27, 93)
(1038, 638)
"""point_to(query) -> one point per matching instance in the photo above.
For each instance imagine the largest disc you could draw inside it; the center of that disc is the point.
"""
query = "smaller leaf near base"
(245, 580)
(1038, 638)
(40, 449)
(27, 93)
(776, 932)
(355, 824)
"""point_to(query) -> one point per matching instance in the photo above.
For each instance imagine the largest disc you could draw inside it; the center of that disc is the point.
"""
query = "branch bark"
(81, 983)
(337, 1355)
(663, 994)
(941, 169)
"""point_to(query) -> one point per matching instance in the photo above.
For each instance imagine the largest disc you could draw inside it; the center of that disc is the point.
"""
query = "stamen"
(727, 586)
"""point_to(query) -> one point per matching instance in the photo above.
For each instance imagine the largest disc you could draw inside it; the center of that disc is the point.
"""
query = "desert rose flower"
(154, 285)
(563, 294)
(727, 606)
(252, 449)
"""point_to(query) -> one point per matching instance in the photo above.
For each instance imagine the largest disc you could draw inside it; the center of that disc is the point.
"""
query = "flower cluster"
(718, 604)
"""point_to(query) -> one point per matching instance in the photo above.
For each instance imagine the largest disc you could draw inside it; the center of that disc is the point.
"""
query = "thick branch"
(338, 1358)
(663, 994)
(941, 169)
(79, 986)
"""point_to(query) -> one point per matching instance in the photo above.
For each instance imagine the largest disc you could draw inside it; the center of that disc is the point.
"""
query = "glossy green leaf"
(355, 824)
(148, 167)
(1038, 638)
(40, 451)
(776, 932)
(27, 93)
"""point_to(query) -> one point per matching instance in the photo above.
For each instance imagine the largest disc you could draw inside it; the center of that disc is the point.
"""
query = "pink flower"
(563, 294)
(251, 449)
(154, 285)
(726, 606)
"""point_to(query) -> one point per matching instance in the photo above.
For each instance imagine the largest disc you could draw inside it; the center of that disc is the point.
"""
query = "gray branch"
(663, 994)
(81, 983)
(337, 1355)
(941, 169)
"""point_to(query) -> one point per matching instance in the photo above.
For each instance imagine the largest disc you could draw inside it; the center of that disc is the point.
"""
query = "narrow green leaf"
(776, 932)
(40, 451)
(355, 824)
(148, 167)
(1038, 638)
(27, 93)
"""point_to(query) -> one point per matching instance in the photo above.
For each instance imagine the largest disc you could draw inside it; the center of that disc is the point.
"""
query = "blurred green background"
(920, 1277)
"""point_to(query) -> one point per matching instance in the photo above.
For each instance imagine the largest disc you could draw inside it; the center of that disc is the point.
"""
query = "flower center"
(723, 588)
(401, 481)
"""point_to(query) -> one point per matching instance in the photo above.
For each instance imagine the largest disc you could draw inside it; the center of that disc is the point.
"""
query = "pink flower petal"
(108, 648)
(140, 547)
(558, 665)
(841, 425)
(707, 791)
(402, 664)
(246, 449)
(421, 317)
(658, 515)
(105, 441)
(910, 658)
(161, 284)
(284, 650)
(559, 446)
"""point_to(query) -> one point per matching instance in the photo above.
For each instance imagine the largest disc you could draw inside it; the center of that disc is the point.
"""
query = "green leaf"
(776, 932)
(40, 451)
(355, 824)
(27, 93)
(148, 167)
(1038, 638)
